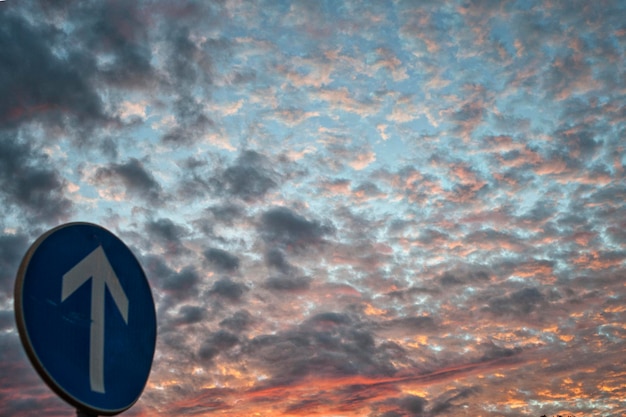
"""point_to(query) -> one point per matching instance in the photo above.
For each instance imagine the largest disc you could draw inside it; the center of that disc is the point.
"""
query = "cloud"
(328, 345)
(287, 277)
(288, 283)
(462, 276)
(129, 110)
(190, 314)
(448, 400)
(18, 374)
(409, 324)
(188, 62)
(490, 238)
(29, 182)
(166, 232)
(276, 258)
(343, 100)
(412, 405)
(226, 213)
(12, 249)
(221, 260)
(178, 285)
(118, 30)
(6, 320)
(249, 178)
(520, 303)
(228, 289)
(362, 160)
(37, 80)
(493, 351)
(133, 177)
(216, 343)
(283, 227)
(238, 322)
(192, 122)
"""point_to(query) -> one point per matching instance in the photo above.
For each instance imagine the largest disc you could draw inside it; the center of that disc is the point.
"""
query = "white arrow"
(96, 266)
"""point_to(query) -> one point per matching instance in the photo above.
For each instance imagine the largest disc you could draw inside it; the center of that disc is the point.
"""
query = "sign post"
(86, 317)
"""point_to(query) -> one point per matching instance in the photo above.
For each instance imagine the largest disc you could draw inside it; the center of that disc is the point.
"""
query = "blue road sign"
(86, 317)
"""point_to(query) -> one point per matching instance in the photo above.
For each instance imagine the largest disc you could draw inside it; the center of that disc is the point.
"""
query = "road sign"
(86, 317)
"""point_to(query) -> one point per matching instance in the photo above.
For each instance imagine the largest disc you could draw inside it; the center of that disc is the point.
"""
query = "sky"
(343, 208)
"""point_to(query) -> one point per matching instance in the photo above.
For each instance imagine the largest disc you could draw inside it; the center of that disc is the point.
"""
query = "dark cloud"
(192, 122)
(330, 318)
(412, 292)
(190, 314)
(327, 345)
(181, 282)
(194, 183)
(217, 343)
(109, 148)
(191, 67)
(249, 178)
(450, 400)
(119, 30)
(410, 405)
(174, 288)
(34, 80)
(134, 177)
(220, 215)
(413, 404)
(288, 283)
(470, 276)
(173, 338)
(427, 236)
(541, 211)
(238, 322)
(409, 324)
(470, 113)
(275, 258)
(564, 76)
(282, 226)
(178, 285)
(166, 230)
(29, 181)
(493, 351)
(191, 62)
(221, 260)
(581, 144)
(288, 277)
(228, 289)
(12, 249)
(520, 303)
(183, 55)
(7, 321)
(167, 233)
(226, 213)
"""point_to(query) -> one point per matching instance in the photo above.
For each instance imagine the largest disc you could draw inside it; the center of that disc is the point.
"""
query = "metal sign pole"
(81, 413)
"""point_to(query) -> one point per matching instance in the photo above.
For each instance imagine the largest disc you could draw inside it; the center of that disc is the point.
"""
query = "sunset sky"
(343, 208)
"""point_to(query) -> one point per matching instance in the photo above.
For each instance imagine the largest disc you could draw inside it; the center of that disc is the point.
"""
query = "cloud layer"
(385, 209)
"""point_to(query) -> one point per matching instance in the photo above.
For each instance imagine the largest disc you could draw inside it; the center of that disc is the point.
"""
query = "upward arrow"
(96, 267)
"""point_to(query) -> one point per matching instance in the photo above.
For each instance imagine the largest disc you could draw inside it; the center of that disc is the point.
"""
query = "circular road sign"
(86, 317)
